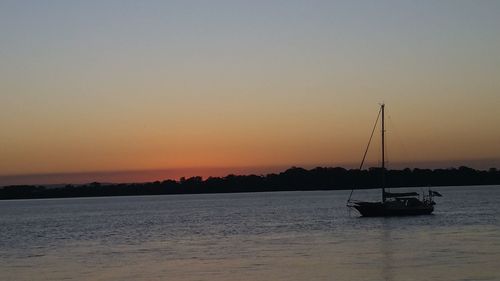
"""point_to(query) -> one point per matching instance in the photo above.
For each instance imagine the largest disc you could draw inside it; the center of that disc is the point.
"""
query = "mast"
(382, 107)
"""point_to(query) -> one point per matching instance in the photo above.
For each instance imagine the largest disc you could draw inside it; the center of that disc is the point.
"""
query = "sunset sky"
(177, 88)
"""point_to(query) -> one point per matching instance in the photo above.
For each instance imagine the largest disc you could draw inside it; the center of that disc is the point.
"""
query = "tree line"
(295, 178)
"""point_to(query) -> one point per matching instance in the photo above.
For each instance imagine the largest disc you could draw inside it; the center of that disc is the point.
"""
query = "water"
(254, 236)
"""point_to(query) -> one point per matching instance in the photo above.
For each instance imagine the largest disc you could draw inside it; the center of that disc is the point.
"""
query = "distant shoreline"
(293, 179)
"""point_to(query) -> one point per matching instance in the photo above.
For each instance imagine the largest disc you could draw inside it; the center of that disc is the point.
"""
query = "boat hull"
(379, 209)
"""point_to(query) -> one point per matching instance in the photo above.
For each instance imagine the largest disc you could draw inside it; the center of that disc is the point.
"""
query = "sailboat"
(392, 204)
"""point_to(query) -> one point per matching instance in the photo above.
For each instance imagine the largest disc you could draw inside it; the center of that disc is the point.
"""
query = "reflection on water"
(261, 236)
(386, 248)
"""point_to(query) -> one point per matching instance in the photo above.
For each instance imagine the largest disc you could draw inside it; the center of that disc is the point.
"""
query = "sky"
(107, 89)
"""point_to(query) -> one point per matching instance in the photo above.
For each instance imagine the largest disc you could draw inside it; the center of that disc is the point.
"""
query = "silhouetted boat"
(392, 204)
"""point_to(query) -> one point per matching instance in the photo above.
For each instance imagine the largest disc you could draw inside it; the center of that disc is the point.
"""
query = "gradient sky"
(96, 86)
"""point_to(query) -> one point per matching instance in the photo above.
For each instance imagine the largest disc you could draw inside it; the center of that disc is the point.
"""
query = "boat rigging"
(392, 204)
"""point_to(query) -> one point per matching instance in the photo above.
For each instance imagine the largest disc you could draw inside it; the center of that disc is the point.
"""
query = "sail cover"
(435, 193)
(399, 194)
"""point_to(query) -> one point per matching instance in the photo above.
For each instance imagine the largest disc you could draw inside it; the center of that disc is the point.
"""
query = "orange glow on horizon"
(194, 86)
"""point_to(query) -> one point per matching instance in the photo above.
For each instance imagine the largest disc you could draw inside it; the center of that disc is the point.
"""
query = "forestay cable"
(366, 150)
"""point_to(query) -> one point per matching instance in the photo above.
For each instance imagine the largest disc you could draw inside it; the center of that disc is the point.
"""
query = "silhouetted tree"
(295, 178)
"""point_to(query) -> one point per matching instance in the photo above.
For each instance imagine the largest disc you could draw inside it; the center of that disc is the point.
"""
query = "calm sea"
(253, 236)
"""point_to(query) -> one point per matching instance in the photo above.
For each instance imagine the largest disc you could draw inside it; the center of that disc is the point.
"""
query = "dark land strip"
(320, 178)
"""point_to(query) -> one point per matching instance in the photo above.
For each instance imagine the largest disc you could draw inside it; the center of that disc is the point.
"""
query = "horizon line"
(161, 174)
